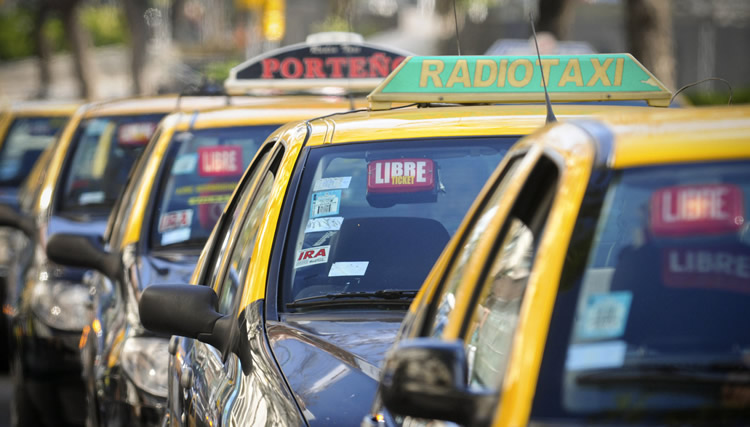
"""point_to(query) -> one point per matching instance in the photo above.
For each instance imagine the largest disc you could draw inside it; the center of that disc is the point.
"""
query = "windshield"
(375, 216)
(203, 167)
(656, 324)
(104, 150)
(27, 137)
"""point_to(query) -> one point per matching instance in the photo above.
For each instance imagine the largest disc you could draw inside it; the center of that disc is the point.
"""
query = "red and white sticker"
(176, 219)
(312, 256)
(697, 209)
(400, 176)
(727, 269)
(225, 160)
(137, 133)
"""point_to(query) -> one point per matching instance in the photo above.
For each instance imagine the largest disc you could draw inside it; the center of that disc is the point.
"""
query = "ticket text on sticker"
(701, 209)
(312, 256)
(175, 219)
(225, 160)
(325, 203)
(400, 176)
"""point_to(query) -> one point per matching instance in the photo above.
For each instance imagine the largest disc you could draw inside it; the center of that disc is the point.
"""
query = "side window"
(490, 329)
(450, 283)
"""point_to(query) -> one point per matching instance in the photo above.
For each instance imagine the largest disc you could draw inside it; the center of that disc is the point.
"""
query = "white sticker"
(174, 236)
(325, 203)
(334, 183)
(324, 224)
(185, 164)
(324, 237)
(91, 197)
(312, 256)
(604, 315)
(598, 355)
(348, 268)
(175, 219)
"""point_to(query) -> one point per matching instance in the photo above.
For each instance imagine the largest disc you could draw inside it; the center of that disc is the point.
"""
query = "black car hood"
(332, 363)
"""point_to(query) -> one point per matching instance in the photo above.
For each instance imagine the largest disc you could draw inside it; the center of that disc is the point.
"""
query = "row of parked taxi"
(439, 253)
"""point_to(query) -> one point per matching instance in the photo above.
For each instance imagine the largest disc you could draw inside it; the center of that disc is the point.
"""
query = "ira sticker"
(312, 256)
(333, 183)
(175, 236)
(332, 223)
(595, 355)
(325, 203)
(91, 197)
(604, 316)
(697, 209)
(400, 176)
(175, 219)
(185, 164)
(224, 160)
(348, 268)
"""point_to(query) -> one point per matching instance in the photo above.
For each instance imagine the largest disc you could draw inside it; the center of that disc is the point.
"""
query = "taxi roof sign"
(515, 79)
(322, 62)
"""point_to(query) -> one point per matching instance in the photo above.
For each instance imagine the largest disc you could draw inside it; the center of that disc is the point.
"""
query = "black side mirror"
(188, 311)
(426, 378)
(11, 217)
(77, 250)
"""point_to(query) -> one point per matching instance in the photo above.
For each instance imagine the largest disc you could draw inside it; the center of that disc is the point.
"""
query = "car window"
(27, 137)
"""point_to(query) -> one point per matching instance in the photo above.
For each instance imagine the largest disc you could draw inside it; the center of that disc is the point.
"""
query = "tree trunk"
(134, 11)
(79, 44)
(43, 51)
(649, 25)
(556, 17)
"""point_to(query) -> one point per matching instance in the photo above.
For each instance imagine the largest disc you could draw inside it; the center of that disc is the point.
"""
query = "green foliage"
(740, 96)
(105, 23)
(332, 23)
(219, 71)
(15, 34)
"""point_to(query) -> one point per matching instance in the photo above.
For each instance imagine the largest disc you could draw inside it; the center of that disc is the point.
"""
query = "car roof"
(43, 108)
(161, 104)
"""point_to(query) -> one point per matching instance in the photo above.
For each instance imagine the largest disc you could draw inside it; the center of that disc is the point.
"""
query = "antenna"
(550, 114)
(455, 20)
(689, 85)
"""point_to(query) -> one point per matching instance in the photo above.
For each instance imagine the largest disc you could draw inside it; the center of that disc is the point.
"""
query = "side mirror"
(188, 311)
(77, 250)
(11, 217)
(426, 378)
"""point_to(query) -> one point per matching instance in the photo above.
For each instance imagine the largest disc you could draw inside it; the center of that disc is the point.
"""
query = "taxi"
(333, 229)
(162, 220)
(598, 279)
(76, 183)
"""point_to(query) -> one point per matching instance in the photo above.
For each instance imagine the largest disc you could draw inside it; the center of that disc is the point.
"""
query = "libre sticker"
(176, 219)
(312, 256)
(605, 315)
(325, 203)
(697, 209)
(324, 224)
(185, 164)
(333, 183)
(174, 236)
(91, 197)
(400, 176)
(599, 355)
(348, 268)
(224, 160)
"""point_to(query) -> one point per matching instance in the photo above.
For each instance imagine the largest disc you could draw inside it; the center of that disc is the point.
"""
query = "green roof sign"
(510, 79)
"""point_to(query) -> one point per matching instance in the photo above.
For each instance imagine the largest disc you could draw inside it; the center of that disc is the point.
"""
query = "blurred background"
(97, 49)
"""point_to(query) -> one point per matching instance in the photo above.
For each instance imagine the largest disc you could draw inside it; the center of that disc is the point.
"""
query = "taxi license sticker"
(400, 176)
(185, 164)
(605, 315)
(727, 268)
(175, 219)
(325, 203)
(312, 256)
(324, 237)
(333, 183)
(595, 355)
(324, 224)
(91, 197)
(225, 160)
(175, 236)
(348, 268)
(697, 209)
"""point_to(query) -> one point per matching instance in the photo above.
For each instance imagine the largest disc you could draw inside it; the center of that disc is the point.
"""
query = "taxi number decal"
(325, 203)
(333, 183)
(176, 219)
(185, 164)
(400, 176)
(220, 161)
(312, 256)
(727, 269)
(605, 315)
(324, 224)
(703, 209)
(348, 268)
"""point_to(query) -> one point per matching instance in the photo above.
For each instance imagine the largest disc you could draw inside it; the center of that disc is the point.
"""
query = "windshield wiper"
(383, 296)
(712, 373)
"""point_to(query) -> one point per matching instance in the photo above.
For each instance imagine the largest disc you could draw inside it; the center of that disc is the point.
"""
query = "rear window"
(27, 137)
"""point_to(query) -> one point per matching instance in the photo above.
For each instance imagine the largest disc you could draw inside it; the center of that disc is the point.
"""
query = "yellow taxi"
(335, 226)
(601, 278)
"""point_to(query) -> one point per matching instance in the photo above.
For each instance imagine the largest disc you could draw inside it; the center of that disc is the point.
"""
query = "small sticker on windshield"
(604, 316)
(596, 355)
(324, 224)
(332, 183)
(312, 256)
(91, 197)
(185, 164)
(348, 268)
(175, 219)
(325, 203)
(175, 236)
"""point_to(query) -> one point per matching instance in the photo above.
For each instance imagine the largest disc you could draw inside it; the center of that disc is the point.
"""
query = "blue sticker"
(185, 164)
(325, 203)
(604, 316)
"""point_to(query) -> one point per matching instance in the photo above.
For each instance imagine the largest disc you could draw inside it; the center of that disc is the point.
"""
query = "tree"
(556, 17)
(135, 13)
(649, 27)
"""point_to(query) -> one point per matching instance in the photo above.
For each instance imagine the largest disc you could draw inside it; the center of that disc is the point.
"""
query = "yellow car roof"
(152, 105)
(43, 108)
